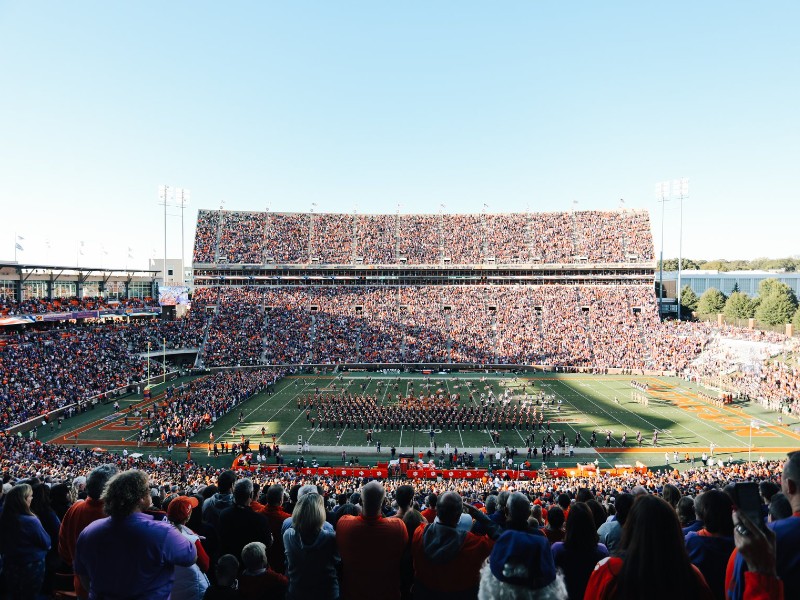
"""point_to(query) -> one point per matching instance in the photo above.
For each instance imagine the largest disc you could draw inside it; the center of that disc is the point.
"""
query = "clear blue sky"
(367, 105)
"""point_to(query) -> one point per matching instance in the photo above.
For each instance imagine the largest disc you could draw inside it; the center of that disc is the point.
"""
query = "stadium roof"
(27, 267)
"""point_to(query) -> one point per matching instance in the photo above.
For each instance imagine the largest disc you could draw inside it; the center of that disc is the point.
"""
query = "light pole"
(662, 195)
(680, 189)
(163, 195)
(181, 199)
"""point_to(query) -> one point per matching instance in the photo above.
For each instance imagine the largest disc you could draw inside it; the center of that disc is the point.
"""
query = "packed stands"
(44, 370)
(305, 238)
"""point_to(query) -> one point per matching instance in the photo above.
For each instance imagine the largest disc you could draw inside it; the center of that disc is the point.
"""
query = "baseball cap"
(523, 559)
(180, 508)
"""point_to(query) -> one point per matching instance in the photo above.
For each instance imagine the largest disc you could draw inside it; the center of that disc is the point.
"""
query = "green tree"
(796, 320)
(713, 265)
(688, 302)
(670, 264)
(711, 302)
(775, 309)
(771, 286)
(738, 306)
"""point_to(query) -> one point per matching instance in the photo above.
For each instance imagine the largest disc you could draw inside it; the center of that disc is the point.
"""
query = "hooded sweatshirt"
(215, 505)
(447, 561)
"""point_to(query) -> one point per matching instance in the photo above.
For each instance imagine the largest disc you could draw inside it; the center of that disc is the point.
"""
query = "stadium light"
(163, 196)
(180, 198)
(680, 190)
(662, 195)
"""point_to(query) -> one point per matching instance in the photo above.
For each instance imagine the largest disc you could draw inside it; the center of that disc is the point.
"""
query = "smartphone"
(747, 499)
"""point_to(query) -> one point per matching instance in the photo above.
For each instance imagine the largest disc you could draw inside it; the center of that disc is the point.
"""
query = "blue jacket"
(26, 542)
(787, 551)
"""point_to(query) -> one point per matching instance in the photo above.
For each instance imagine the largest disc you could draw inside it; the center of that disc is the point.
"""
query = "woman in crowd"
(60, 499)
(24, 544)
(653, 564)
(311, 555)
(580, 551)
(190, 582)
(40, 506)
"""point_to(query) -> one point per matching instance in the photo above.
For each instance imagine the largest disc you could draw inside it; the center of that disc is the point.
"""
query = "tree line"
(757, 264)
(774, 304)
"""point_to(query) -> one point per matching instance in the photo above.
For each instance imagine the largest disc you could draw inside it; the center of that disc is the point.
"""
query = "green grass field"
(686, 423)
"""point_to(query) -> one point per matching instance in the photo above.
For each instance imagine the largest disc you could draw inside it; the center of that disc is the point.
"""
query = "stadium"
(445, 350)
(374, 301)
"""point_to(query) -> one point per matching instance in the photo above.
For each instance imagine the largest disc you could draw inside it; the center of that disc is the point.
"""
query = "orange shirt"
(371, 549)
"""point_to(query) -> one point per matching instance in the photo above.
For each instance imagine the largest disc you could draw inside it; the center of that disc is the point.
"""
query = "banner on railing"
(149, 311)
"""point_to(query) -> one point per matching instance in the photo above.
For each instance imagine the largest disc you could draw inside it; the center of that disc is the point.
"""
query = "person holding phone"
(787, 544)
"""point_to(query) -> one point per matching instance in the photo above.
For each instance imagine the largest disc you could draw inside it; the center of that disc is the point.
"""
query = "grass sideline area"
(687, 423)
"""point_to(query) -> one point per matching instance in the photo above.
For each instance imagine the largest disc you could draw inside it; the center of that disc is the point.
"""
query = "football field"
(686, 423)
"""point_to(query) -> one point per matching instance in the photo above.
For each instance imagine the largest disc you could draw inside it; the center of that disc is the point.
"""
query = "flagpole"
(750, 446)
(164, 355)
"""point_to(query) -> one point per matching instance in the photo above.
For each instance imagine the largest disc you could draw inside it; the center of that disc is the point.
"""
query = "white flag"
(19, 237)
(754, 424)
(19, 247)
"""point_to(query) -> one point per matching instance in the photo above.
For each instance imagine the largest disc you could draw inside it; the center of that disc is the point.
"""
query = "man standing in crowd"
(364, 570)
(80, 514)
(223, 499)
(276, 516)
(447, 560)
(787, 540)
(129, 554)
(239, 524)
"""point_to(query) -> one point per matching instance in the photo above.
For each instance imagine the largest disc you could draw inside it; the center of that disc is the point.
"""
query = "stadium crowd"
(35, 306)
(289, 238)
(544, 538)
(558, 325)
(42, 370)
(190, 408)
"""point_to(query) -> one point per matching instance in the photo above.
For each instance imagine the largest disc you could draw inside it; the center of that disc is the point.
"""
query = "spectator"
(779, 508)
(518, 507)
(430, 511)
(610, 532)
(447, 560)
(60, 499)
(239, 524)
(412, 520)
(365, 572)
(787, 534)
(225, 585)
(40, 506)
(213, 507)
(521, 566)
(129, 550)
(580, 551)
(658, 571)
(23, 543)
(258, 581)
(671, 494)
(554, 530)
(80, 515)
(311, 557)
(404, 496)
(276, 516)
(190, 582)
(710, 548)
(756, 546)
(687, 515)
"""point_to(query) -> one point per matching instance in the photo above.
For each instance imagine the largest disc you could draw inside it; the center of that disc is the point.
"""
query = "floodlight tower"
(662, 195)
(680, 190)
(182, 197)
